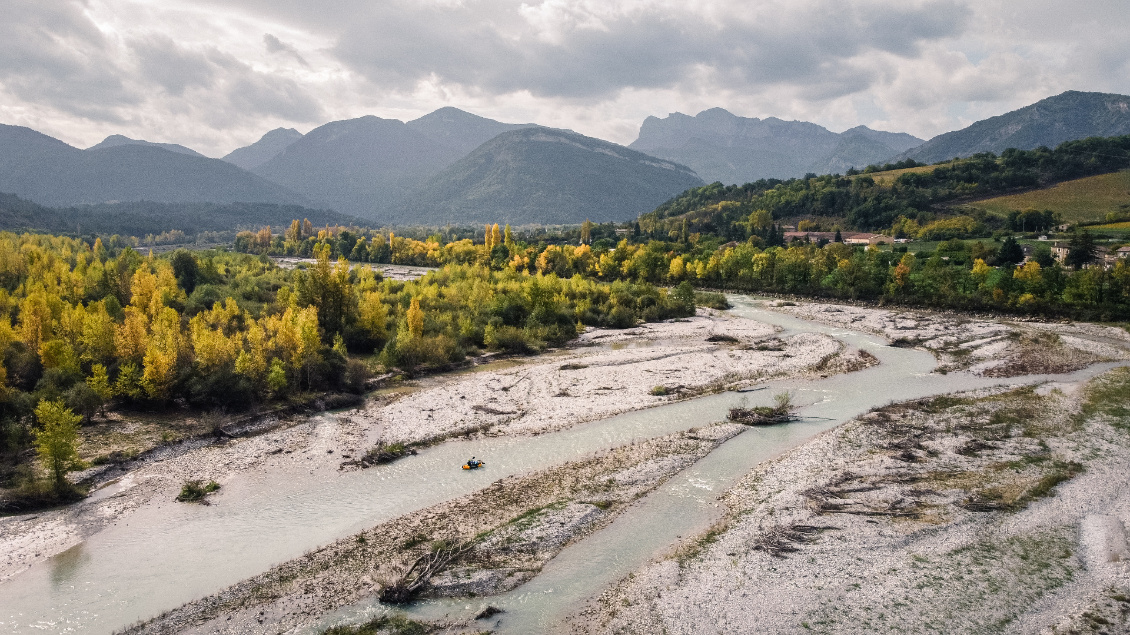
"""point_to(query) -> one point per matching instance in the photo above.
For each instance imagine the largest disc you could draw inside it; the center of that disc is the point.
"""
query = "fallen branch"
(420, 573)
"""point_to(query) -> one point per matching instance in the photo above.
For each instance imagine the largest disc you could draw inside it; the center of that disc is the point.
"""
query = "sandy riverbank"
(607, 372)
(984, 512)
(991, 348)
(511, 529)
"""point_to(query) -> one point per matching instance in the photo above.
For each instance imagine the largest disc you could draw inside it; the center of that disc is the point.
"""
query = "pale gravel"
(610, 372)
(866, 567)
(1001, 347)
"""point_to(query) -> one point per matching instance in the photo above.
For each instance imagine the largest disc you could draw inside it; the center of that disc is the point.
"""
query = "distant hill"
(721, 146)
(369, 165)
(540, 175)
(50, 172)
(1048, 122)
(266, 148)
(141, 218)
(362, 166)
(119, 140)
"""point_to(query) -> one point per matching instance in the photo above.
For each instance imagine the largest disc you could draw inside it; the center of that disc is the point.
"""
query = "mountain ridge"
(115, 140)
(50, 172)
(266, 148)
(519, 176)
(721, 146)
(1049, 122)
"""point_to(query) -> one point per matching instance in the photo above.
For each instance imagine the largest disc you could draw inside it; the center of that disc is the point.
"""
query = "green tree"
(57, 441)
(1081, 250)
(186, 269)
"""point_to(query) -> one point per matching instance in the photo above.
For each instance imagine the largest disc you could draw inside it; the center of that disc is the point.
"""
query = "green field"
(1087, 199)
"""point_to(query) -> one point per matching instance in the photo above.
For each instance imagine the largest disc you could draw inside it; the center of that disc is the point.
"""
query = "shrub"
(196, 490)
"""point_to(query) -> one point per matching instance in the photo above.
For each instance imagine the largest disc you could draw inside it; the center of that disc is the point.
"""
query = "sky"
(215, 75)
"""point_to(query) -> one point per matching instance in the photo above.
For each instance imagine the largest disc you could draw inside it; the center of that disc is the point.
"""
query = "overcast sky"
(217, 74)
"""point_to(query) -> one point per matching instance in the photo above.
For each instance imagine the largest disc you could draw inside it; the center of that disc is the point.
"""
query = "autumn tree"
(586, 232)
(57, 440)
(415, 318)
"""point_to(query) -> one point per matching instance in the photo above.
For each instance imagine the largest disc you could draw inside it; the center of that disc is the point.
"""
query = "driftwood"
(420, 573)
(783, 539)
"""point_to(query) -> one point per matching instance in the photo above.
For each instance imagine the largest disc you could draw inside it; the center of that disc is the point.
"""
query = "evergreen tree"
(1010, 254)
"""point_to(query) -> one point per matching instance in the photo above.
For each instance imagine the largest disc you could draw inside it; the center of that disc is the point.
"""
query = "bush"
(357, 374)
(712, 300)
(196, 490)
(621, 317)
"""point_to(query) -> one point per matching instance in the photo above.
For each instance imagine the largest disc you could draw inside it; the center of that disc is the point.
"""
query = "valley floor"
(603, 374)
(981, 512)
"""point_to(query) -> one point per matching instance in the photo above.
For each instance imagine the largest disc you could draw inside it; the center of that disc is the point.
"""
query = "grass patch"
(193, 491)
(659, 391)
(415, 540)
(31, 494)
(693, 549)
(976, 589)
(1109, 395)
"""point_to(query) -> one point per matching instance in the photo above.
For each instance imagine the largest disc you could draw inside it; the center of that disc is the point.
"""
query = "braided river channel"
(163, 554)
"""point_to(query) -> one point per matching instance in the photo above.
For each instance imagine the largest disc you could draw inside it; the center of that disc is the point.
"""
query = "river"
(166, 554)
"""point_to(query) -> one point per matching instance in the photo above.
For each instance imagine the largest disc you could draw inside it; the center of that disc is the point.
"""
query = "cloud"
(275, 45)
(592, 50)
(215, 74)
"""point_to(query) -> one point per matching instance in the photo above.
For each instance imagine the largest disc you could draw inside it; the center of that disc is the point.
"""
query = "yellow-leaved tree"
(415, 318)
(57, 440)
(161, 355)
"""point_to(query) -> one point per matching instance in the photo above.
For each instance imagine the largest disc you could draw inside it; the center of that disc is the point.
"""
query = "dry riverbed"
(605, 373)
(502, 534)
(984, 512)
(991, 348)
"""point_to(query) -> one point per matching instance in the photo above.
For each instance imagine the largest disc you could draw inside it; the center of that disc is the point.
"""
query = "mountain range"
(453, 167)
(45, 170)
(721, 146)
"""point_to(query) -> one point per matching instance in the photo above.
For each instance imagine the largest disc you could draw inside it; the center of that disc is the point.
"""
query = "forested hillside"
(143, 218)
(859, 201)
